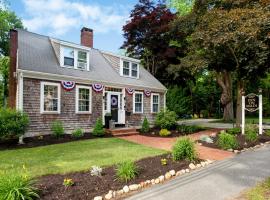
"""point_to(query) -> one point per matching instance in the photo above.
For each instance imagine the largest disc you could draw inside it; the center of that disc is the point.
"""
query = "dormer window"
(74, 58)
(68, 56)
(129, 69)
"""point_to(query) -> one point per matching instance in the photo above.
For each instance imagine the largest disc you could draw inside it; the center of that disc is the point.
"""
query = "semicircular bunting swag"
(68, 85)
(97, 87)
(130, 90)
(147, 93)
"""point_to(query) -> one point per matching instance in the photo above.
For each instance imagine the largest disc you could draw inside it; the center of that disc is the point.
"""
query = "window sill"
(83, 113)
(50, 112)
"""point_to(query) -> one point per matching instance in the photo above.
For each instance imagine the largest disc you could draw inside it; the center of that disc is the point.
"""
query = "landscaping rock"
(198, 166)
(168, 175)
(230, 150)
(133, 187)
(109, 195)
(236, 151)
(126, 189)
(178, 173)
(172, 172)
(153, 181)
(120, 192)
(192, 166)
(209, 161)
(183, 171)
(161, 178)
(187, 170)
(114, 194)
(203, 164)
(157, 181)
(98, 198)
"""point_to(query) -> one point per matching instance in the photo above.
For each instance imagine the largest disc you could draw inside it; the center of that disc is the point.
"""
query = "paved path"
(167, 143)
(219, 181)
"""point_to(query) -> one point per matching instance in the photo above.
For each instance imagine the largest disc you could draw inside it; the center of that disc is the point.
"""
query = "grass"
(73, 156)
(260, 192)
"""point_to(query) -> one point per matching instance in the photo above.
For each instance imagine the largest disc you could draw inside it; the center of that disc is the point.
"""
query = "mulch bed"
(87, 186)
(44, 140)
(154, 132)
(242, 143)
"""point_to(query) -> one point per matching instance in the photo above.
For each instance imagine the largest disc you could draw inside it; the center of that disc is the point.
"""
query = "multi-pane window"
(50, 97)
(83, 99)
(130, 69)
(134, 71)
(155, 103)
(138, 102)
(68, 56)
(125, 68)
(82, 60)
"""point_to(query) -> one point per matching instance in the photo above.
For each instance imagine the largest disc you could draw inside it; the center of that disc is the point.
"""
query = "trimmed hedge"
(13, 124)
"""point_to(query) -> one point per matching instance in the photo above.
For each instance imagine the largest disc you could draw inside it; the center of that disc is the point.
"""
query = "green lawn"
(260, 192)
(73, 156)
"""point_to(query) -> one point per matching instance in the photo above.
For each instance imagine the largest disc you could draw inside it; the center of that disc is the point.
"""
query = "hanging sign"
(68, 85)
(130, 90)
(147, 93)
(252, 102)
(97, 87)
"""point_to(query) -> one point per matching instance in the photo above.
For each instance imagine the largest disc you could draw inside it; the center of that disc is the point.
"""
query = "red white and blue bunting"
(147, 93)
(97, 87)
(68, 85)
(130, 90)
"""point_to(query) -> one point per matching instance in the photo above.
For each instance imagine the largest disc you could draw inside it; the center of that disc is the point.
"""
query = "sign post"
(252, 103)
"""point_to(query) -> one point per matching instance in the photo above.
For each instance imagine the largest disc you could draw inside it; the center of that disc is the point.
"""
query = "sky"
(64, 19)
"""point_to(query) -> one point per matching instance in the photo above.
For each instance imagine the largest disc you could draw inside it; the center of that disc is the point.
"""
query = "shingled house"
(52, 79)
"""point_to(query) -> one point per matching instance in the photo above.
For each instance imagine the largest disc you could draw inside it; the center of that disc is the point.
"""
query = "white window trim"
(42, 111)
(77, 100)
(75, 58)
(155, 94)
(130, 68)
(134, 102)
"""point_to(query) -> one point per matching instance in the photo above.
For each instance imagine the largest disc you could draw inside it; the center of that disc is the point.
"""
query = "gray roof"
(36, 54)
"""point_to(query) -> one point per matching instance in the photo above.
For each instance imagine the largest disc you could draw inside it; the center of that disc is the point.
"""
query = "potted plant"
(108, 117)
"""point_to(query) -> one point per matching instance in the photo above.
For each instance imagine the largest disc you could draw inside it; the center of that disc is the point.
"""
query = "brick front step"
(123, 131)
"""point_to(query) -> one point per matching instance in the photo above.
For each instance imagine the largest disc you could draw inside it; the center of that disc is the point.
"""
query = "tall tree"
(147, 37)
(4, 66)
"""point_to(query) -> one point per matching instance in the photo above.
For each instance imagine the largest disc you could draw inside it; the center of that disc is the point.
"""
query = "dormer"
(129, 68)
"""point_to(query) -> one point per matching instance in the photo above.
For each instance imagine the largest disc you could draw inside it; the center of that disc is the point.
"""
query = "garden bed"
(154, 132)
(242, 142)
(44, 140)
(87, 186)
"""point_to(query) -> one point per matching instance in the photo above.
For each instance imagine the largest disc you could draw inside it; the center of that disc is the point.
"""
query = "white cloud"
(60, 16)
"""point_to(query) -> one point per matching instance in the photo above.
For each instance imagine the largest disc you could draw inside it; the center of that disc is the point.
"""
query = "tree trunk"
(224, 80)
(240, 89)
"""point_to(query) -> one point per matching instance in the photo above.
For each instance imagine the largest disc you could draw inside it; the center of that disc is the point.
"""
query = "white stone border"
(250, 148)
(168, 175)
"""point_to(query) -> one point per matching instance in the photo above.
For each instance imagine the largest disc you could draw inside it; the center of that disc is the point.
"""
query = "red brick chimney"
(87, 37)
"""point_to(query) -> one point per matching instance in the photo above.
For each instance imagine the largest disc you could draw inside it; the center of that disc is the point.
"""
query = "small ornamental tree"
(99, 130)
(145, 126)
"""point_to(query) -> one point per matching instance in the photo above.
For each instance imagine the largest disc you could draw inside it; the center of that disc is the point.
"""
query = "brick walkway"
(167, 143)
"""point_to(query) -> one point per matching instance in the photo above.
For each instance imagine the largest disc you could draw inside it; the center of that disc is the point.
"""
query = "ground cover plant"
(164, 133)
(127, 171)
(73, 156)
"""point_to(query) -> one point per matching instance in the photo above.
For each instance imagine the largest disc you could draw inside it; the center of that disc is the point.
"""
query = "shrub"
(166, 119)
(13, 124)
(227, 141)
(78, 133)
(14, 186)
(145, 126)
(98, 129)
(186, 129)
(57, 129)
(164, 133)
(126, 171)
(251, 134)
(184, 148)
(96, 171)
(234, 131)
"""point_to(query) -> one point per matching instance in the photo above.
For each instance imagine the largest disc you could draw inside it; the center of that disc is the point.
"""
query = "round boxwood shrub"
(78, 133)
(13, 124)
(227, 141)
(164, 133)
(166, 119)
(57, 129)
(145, 126)
(184, 149)
(98, 129)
